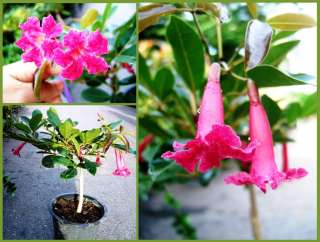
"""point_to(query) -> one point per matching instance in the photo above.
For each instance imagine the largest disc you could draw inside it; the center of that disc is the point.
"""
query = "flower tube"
(17, 150)
(121, 169)
(263, 166)
(214, 140)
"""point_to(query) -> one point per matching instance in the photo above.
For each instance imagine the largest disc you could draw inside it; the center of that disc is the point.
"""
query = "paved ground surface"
(221, 211)
(26, 216)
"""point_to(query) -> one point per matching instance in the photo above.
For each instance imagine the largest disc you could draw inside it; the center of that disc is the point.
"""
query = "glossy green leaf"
(114, 124)
(150, 14)
(292, 21)
(50, 160)
(272, 109)
(88, 136)
(90, 166)
(144, 72)
(269, 76)
(309, 104)
(292, 112)
(125, 59)
(163, 83)
(95, 95)
(53, 117)
(67, 130)
(89, 17)
(35, 119)
(282, 35)
(278, 52)
(257, 43)
(188, 52)
(22, 127)
(69, 173)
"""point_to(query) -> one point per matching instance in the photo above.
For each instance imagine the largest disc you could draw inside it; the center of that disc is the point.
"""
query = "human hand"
(18, 84)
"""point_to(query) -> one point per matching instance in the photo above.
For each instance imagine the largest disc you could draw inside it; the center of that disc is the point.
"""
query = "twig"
(203, 38)
(254, 217)
(219, 39)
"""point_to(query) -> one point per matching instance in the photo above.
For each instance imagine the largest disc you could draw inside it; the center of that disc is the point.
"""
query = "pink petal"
(24, 43)
(33, 55)
(74, 40)
(187, 158)
(295, 173)
(50, 27)
(243, 153)
(95, 64)
(97, 44)
(209, 159)
(63, 59)
(240, 178)
(73, 71)
(49, 46)
(223, 135)
(122, 172)
(31, 25)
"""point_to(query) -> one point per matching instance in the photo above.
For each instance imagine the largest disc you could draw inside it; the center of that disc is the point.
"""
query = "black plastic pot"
(64, 229)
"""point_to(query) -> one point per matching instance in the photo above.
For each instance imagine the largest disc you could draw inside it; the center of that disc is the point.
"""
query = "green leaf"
(76, 144)
(22, 127)
(278, 52)
(282, 35)
(125, 59)
(144, 72)
(272, 109)
(114, 124)
(53, 117)
(38, 77)
(88, 18)
(69, 173)
(25, 119)
(151, 13)
(269, 76)
(257, 43)
(93, 94)
(163, 83)
(106, 14)
(188, 52)
(90, 166)
(35, 119)
(67, 130)
(50, 160)
(309, 104)
(88, 136)
(292, 21)
(252, 8)
(292, 112)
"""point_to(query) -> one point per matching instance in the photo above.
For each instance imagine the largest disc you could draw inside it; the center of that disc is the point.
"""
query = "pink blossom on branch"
(214, 140)
(17, 150)
(121, 169)
(263, 168)
(39, 42)
(82, 50)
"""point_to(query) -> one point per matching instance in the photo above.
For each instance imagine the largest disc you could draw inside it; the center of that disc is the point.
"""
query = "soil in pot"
(66, 208)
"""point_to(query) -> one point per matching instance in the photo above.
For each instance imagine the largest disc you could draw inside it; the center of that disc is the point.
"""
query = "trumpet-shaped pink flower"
(82, 50)
(121, 169)
(214, 140)
(39, 42)
(263, 168)
(17, 150)
(98, 159)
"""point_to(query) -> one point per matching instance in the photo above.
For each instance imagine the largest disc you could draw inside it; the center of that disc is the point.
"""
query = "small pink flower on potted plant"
(263, 168)
(82, 50)
(214, 140)
(121, 169)
(17, 150)
(39, 42)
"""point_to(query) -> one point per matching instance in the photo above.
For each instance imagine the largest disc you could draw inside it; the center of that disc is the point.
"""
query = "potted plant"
(75, 216)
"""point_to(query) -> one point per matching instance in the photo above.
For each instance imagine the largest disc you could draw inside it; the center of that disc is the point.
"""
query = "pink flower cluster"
(76, 51)
(216, 141)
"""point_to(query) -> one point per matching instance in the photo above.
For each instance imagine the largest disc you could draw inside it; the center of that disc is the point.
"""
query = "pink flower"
(98, 159)
(214, 140)
(17, 150)
(82, 50)
(128, 67)
(285, 159)
(121, 169)
(39, 42)
(263, 167)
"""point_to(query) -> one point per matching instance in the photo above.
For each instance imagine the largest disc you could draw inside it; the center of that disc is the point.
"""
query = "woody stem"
(254, 217)
(81, 188)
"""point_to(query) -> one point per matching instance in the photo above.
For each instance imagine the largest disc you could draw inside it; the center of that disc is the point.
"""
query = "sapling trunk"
(254, 217)
(81, 181)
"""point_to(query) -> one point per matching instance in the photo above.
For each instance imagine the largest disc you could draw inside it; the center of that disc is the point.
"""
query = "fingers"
(50, 92)
(21, 71)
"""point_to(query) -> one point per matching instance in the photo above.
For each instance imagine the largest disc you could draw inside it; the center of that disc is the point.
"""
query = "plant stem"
(254, 217)
(203, 38)
(81, 181)
(219, 39)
